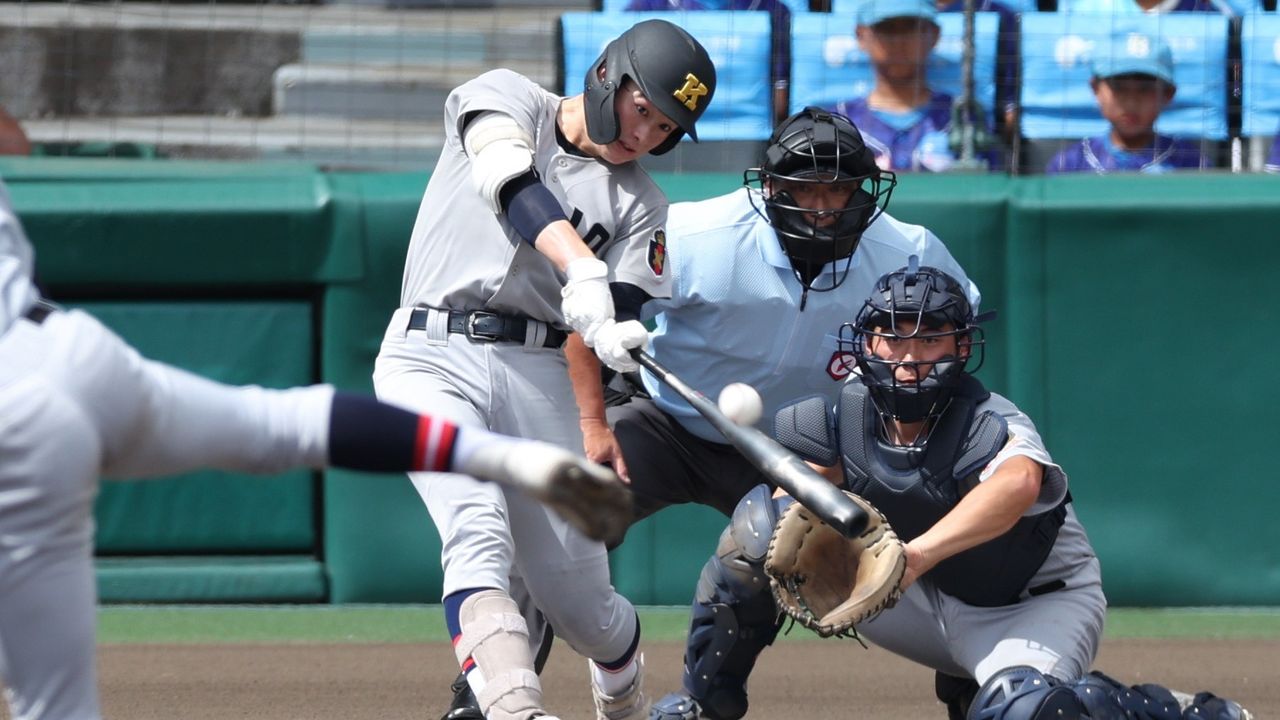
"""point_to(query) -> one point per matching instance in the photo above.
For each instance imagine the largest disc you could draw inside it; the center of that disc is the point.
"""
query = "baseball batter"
(77, 403)
(1003, 591)
(537, 221)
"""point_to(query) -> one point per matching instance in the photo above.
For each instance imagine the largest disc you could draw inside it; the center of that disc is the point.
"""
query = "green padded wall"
(263, 343)
(1130, 311)
(231, 226)
(380, 545)
(210, 266)
(1145, 313)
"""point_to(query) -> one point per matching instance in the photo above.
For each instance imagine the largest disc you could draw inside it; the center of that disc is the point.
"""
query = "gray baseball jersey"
(463, 256)
(17, 294)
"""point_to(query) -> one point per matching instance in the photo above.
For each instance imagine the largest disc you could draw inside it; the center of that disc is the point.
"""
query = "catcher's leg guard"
(1024, 693)
(1108, 699)
(1207, 706)
(496, 637)
(734, 616)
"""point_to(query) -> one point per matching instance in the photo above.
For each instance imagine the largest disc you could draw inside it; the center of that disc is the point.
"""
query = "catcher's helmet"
(929, 300)
(672, 69)
(817, 146)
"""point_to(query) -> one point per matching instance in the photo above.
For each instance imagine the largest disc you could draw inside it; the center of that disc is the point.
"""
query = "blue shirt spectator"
(914, 140)
(904, 121)
(1099, 155)
(780, 17)
(1133, 83)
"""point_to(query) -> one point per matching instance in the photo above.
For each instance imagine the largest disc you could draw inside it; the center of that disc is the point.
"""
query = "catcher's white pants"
(1056, 633)
(491, 534)
(77, 403)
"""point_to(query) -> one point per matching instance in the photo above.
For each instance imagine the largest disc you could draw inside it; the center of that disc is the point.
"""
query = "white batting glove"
(616, 340)
(585, 299)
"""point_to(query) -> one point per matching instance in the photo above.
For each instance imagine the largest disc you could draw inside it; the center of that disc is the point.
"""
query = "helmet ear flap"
(602, 121)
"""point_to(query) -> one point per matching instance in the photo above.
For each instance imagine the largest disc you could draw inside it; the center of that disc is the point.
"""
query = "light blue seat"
(850, 7)
(797, 6)
(739, 45)
(1260, 54)
(827, 65)
(1129, 7)
(1057, 52)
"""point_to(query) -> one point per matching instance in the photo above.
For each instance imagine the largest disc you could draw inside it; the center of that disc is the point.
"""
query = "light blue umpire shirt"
(734, 313)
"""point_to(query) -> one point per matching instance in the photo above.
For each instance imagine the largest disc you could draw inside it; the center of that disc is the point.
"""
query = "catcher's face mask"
(815, 156)
(913, 339)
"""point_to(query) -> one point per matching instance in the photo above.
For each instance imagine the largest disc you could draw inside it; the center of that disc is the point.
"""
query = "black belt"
(40, 311)
(485, 326)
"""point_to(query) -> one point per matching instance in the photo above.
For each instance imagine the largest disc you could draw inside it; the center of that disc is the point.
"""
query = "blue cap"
(1133, 53)
(871, 12)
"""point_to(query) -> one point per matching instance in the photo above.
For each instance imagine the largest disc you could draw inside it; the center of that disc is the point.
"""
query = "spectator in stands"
(1133, 83)
(1273, 163)
(780, 17)
(13, 141)
(905, 122)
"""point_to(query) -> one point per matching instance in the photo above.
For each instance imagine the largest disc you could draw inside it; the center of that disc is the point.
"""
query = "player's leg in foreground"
(78, 403)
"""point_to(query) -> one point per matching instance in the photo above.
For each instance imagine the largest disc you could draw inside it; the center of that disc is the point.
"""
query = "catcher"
(1001, 592)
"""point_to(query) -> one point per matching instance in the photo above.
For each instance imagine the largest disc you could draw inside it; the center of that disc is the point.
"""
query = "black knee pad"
(1024, 693)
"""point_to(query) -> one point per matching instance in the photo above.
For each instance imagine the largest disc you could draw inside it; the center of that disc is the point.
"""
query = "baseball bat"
(780, 464)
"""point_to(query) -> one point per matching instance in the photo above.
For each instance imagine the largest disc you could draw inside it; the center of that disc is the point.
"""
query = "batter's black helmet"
(817, 146)
(672, 69)
(927, 299)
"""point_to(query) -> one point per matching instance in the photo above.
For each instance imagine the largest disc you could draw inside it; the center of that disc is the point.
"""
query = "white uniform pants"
(491, 535)
(1056, 633)
(77, 403)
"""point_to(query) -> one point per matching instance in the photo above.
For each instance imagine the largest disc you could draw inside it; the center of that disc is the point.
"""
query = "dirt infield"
(796, 680)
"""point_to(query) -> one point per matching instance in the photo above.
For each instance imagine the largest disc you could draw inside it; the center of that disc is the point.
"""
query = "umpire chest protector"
(916, 487)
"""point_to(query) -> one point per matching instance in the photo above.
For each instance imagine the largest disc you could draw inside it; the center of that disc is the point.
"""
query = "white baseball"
(740, 403)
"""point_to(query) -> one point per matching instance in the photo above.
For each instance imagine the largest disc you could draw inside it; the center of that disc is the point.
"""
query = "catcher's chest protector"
(915, 487)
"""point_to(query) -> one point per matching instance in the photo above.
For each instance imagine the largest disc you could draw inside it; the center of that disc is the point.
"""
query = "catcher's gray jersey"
(1056, 632)
(463, 256)
(1072, 551)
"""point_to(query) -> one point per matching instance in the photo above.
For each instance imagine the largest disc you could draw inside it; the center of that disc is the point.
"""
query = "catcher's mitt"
(828, 582)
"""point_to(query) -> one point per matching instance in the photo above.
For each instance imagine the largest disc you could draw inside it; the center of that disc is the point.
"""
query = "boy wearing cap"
(904, 121)
(1133, 83)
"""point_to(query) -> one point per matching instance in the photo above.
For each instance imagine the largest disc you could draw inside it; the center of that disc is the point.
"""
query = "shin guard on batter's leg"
(496, 638)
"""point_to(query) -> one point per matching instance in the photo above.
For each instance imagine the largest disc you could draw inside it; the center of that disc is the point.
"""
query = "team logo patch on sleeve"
(658, 252)
(841, 364)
